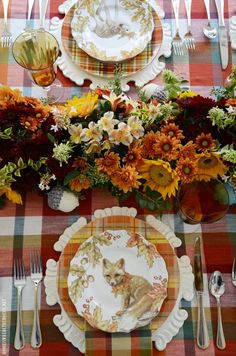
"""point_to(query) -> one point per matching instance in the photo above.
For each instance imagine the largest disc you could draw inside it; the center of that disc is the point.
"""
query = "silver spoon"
(217, 289)
(208, 30)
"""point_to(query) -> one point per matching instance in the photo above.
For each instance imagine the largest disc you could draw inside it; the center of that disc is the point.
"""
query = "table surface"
(35, 225)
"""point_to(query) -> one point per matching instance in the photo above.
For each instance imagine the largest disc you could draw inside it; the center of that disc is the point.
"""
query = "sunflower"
(167, 147)
(83, 106)
(186, 94)
(210, 164)
(186, 168)
(149, 141)
(126, 179)
(160, 177)
(188, 150)
(109, 163)
(133, 156)
(172, 130)
(204, 142)
(80, 182)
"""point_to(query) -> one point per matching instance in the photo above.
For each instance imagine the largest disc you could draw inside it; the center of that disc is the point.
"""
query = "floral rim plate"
(117, 281)
(106, 69)
(114, 30)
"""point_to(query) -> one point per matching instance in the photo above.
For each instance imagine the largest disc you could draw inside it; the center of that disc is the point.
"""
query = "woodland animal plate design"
(117, 281)
(112, 30)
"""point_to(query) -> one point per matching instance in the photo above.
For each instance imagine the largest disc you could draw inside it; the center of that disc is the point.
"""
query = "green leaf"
(51, 138)
(17, 173)
(151, 205)
(70, 176)
(21, 163)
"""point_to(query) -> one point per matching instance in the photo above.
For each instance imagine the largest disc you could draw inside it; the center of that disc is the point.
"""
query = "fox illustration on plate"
(138, 295)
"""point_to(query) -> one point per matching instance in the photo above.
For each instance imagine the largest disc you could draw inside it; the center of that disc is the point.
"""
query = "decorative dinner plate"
(106, 69)
(112, 30)
(72, 71)
(117, 281)
(180, 278)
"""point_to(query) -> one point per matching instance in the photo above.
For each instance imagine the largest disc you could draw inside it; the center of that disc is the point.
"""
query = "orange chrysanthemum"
(80, 182)
(167, 147)
(186, 168)
(134, 156)
(80, 163)
(172, 130)
(149, 141)
(210, 165)
(204, 142)
(188, 150)
(109, 163)
(126, 179)
(231, 102)
(30, 123)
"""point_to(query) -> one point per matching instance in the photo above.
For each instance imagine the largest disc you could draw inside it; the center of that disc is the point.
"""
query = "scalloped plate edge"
(175, 320)
(77, 75)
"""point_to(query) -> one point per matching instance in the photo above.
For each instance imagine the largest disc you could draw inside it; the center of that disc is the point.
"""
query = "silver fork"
(188, 37)
(30, 7)
(234, 272)
(6, 38)
(19, 283)
(177, 42)
(36, 277)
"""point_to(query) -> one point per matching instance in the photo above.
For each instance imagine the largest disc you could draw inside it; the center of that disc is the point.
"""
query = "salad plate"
(112, 30)
(117, 281)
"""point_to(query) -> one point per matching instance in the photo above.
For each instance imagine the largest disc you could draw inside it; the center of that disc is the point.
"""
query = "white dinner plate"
(112, 30)
(117, 281)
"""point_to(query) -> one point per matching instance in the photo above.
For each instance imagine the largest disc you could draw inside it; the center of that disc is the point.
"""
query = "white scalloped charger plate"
(164, 334)
(72, 71)
(113, 30)
(117, 281)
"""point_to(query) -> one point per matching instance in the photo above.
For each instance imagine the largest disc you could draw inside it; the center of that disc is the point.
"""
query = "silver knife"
(223, 37)
(202, 332)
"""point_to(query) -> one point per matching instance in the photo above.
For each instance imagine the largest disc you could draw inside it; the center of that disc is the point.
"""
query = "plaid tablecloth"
(35, 225)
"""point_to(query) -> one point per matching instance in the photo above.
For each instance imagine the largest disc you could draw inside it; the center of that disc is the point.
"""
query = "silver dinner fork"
(188, 37)
(36, 277)
(29, 12)
(6, 38)
(177, 42)
(234, 272)
(19, 283)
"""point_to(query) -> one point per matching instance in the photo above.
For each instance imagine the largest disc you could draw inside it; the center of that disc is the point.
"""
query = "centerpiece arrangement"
(145, 146)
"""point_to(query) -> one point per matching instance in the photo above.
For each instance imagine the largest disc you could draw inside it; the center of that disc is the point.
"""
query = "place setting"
(117, 204)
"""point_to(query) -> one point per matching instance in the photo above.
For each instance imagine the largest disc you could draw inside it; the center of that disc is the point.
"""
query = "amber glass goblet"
(203, 200)
(37, 51)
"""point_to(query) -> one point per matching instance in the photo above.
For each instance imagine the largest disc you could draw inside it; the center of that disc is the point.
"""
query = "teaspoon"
(217, 289)
(208, 30)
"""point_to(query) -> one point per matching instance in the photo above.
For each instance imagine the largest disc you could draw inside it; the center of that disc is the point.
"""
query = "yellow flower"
(9, 96)
(210, 164)
(160, 177)
(186, 94)
(83, 106)
(12, 195)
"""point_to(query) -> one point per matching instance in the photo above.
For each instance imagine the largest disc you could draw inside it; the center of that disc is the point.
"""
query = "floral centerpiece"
(106, 139)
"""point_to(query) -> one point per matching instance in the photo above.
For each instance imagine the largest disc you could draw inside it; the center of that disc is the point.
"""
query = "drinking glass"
(37, 52)
(202, 200)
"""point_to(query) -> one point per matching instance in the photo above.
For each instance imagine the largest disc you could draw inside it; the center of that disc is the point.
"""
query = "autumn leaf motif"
(92, 251)
(76, 290)
(144, 249)
(77, 270)
(95, 319)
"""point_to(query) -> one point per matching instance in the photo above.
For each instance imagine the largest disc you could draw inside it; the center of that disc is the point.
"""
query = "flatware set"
(19, 277)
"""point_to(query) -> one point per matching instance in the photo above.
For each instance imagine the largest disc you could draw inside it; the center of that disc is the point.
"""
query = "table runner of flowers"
(145, 147)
